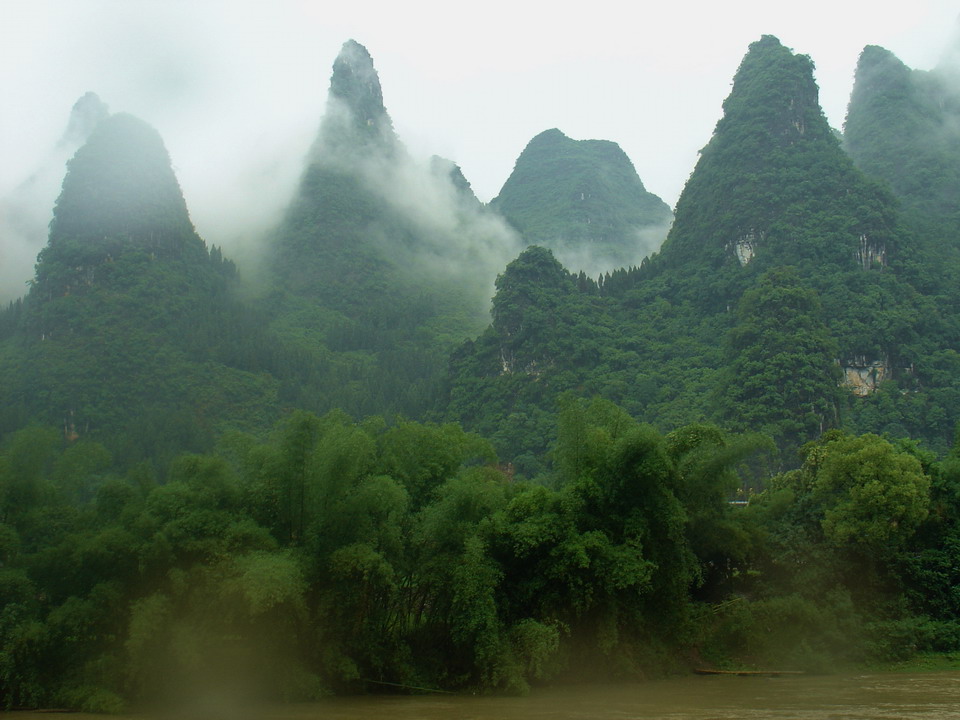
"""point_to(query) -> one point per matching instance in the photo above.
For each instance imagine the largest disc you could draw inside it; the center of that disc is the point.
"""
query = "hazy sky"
(237, 87)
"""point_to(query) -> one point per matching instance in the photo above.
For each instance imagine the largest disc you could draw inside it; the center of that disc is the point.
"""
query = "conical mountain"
(120, 194)
(336, 229)
(130, 320)
(383, 261)
(25, 211)
(584, 200)
(903, 126)
(774, 190)
(776, 304)
(773, 187)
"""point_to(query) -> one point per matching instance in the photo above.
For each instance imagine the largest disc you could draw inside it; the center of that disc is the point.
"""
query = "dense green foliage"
(132, 328)
(338, 555)
(782, 377)
(742, 451)
(902, 128)
(784, 262)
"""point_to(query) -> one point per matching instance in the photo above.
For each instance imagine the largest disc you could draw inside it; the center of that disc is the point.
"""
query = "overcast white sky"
(237, 87)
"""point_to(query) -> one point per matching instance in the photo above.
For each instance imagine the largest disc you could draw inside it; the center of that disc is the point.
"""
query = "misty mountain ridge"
(770, 176)
(25, 212)
(781, 300)
(380, 251)
(406, 212)
(489, 500)
(903, 126)
(130, 320)
(583, 200)
(384, 263)
(119, 191)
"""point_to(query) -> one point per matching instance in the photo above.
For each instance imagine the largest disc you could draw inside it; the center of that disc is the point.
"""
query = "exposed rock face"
(863, 376)
(356, 119)
(746, 246)
(870, 254)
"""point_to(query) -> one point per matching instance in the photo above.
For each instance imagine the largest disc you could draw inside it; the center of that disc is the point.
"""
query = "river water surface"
(932, 695)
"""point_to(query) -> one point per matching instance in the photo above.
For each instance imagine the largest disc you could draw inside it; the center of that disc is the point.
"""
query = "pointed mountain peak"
(878, 70)
(548, 138)
(775, 92)
(880, 79)
(355, 107)
(876, 56)
(902, 126)
(772, 167)
(86, 114)
(120, 191)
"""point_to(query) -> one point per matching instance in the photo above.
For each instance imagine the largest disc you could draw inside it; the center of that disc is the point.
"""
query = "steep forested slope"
(584, 201)
(903, 128)
(383, 262)
(772, 189)
(783, 276)
(130, 327)
(336, 553)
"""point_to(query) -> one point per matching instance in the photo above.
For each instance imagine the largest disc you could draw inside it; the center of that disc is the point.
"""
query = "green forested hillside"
(584, 201)
(383, 263)
(740, 453)
(130, 330)
(786, 273)
(902, 129)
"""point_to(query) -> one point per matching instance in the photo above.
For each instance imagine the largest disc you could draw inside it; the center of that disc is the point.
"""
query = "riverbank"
(864, 695)
(923, 662)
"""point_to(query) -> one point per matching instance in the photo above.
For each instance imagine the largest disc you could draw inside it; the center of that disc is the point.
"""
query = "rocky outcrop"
(863, 376)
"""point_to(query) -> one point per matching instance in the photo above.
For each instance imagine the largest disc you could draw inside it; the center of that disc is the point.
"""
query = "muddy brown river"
(932, 695)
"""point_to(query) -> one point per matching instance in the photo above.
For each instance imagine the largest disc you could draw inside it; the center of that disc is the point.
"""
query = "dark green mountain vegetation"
(902, 128)
(706, 330)
(742, 452)
(584, 201)
(131, 330)
(380, 282)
